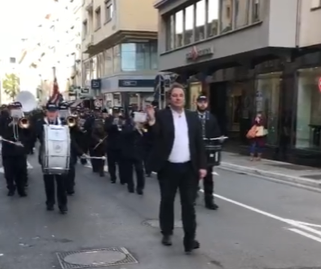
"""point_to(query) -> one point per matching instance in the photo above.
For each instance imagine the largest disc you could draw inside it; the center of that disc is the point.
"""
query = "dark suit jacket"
(163, 140)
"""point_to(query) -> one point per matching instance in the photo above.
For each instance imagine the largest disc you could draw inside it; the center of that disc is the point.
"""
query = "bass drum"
(56, 150)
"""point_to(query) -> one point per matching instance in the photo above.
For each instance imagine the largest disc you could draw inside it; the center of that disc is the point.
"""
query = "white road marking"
(294, 223)
(318, 239)
(308, 224)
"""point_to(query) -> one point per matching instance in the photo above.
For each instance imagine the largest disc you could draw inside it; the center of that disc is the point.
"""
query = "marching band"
(170, 142)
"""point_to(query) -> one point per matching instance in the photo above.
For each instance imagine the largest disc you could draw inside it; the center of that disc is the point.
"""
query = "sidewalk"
(302, 176)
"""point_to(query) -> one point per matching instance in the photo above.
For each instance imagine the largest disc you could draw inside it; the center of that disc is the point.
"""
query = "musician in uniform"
(88, 128)
(52, 118)
(75, 133)
(113, 128)
(210, 129)
(97, 146)
(133, 152)
(14, 150)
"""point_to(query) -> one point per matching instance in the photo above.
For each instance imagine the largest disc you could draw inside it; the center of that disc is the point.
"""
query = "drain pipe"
(298, 23)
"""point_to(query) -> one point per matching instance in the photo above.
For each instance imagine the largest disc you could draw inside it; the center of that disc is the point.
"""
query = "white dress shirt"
(180, 151)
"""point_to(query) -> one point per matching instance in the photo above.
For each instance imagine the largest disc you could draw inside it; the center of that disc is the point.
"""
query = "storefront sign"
(96, 84)
(136, 83)
(199, 53)
(319, 84)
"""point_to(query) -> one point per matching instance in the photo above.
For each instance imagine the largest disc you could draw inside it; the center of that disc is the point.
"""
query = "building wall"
(275, 28)
(127, 16)
(309, 16)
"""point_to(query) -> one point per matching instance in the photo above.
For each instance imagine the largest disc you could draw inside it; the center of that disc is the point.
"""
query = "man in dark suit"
(179, 158)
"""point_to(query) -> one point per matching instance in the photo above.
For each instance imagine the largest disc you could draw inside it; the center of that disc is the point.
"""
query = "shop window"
(256, 10)
(267, 102)
(179, 29)
(241, 13)
(189, 25)
(308, 125)
(226, 15)
(213, 14)
(200, 20)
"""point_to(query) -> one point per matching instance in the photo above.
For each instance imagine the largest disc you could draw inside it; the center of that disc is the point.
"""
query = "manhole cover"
(155, 223)
(95, 258)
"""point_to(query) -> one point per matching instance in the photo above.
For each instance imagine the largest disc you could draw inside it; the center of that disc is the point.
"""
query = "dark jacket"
(163, 140)
(6, 131)
(134, 143)
(114, 139)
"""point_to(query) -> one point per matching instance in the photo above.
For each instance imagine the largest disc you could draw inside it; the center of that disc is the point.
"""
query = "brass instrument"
(28, 103)
(71, 121)
(24, 123)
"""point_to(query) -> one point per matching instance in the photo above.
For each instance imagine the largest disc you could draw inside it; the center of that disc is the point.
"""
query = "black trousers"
(15, 171)
(182, 177)
(131, 165)
(208, 184)
(114, 158)
(97, 164)
(70, 180)
(50, 187)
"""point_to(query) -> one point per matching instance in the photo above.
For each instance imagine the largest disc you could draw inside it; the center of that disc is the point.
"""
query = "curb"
(272, 175)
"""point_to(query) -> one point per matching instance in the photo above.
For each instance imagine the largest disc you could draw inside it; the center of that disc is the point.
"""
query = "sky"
(19, 24)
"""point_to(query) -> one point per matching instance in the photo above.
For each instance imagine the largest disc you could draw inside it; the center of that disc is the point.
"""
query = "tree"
(11, 85)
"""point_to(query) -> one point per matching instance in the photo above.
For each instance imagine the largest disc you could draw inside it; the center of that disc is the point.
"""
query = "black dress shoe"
(63, 210)
(23, 194)
(211, 206)
(113, 181)
(11, 193)
(190, 246)
(50, 208)
(130, 190)
(139, 192)
(167, 240)
(70, 193)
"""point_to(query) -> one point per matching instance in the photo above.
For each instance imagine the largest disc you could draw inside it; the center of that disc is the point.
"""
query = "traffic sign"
(319, 84)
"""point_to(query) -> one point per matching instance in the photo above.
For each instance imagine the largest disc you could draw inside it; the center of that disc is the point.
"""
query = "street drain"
(95, 258)
(155, 223)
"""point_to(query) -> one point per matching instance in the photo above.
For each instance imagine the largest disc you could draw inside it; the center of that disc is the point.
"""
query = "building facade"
(120, 48)
(54, 50)
(250, 56)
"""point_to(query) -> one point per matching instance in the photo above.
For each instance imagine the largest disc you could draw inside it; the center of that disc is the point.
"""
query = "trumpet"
(24, 123)
(71, 121)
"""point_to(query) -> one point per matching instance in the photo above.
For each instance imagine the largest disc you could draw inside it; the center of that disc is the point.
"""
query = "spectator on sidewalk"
(257, 136)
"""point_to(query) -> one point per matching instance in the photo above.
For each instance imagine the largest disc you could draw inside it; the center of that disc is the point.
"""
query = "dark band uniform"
(75, 151)
(14, 158)
(133, 153)
(210, 129)
(114, 147)
(49, 180)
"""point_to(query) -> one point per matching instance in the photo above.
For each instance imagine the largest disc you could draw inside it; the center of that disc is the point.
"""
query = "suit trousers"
(114, 158)
(15, 171)
(50, 189)
(137, 165)
(182, 177)
(208, 183)
(70, 179)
